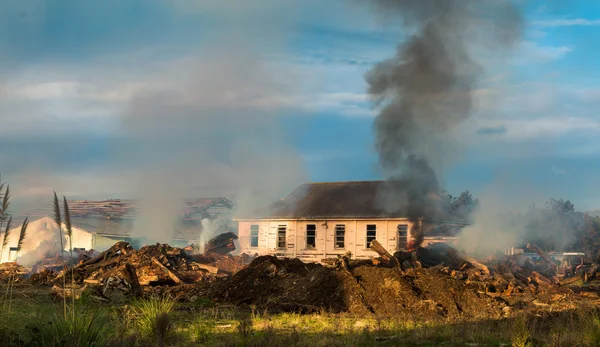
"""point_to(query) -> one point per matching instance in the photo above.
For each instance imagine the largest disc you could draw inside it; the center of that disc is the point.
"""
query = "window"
(340, 235)
(78, 249)
(254, 235)
(311, 236)
(402, 235)
(281, 236)
(371, 234)
(12, 254)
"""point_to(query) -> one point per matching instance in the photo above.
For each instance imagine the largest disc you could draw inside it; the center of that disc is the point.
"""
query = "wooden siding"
(296, 245)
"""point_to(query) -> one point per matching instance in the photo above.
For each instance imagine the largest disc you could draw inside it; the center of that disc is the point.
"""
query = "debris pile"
(11, 269)
(221, 244)
(433, 282)
(158, 264)
(226, 264)
(122, 271)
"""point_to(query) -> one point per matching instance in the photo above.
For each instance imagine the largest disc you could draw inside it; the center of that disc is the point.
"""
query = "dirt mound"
(291, 285)
(418, 293)
(453, 287)
(282, 284)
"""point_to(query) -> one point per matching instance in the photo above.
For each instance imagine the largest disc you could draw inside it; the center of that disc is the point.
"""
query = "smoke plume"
(205, 127)
(424, 93)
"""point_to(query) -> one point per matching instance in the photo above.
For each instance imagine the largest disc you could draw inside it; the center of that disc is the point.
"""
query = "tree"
(461, 207)
(558, 226)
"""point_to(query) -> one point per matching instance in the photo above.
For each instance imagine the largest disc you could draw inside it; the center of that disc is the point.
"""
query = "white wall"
(355, 237)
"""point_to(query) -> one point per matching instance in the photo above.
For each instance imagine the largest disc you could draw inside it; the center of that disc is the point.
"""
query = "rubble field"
(436, 282)
(439, 283)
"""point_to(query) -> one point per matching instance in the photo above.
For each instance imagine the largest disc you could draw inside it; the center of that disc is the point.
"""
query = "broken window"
(311, 236)
(402, 235)
(340, 235)
(12, 254)
(371, 234)
(254, 235)
(281, 236)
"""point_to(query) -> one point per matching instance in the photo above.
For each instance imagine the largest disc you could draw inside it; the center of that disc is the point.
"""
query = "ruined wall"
(355, 237)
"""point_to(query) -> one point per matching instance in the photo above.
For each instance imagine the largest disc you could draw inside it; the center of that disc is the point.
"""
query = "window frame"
(313, 236)
(370, 238)
(340, 228)
(281, 228)
(402, 240)
(252, 236)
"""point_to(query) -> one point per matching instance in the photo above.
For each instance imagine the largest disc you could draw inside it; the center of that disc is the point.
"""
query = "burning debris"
(221, 244)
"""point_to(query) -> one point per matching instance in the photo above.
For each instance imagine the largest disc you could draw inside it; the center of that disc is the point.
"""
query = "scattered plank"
(167, 271)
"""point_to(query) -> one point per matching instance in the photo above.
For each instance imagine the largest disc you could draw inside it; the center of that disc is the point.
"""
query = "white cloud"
(558, 171)
(525, 129)
(532, 52)
(567, 22)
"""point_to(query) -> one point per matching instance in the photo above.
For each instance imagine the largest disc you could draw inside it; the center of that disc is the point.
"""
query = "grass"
(152, 318)
(89, 328)
(161, 322)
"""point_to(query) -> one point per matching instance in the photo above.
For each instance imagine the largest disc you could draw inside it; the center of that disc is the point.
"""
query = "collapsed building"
(322, 220)
(98, 225)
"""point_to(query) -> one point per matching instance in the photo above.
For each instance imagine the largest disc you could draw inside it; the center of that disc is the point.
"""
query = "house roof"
(186, 230)
(115, 217)
(330, 200)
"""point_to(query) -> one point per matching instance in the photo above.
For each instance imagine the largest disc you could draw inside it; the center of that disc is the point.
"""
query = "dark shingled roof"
(330, 200)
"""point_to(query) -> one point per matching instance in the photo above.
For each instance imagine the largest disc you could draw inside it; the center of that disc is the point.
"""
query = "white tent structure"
(42, 238)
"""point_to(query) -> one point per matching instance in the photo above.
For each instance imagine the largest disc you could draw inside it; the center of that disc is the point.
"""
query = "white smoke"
(498, 223)
(42, 239)
(209, 230)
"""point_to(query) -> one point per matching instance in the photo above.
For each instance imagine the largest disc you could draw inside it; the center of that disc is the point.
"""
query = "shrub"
(88, 328)
(520, 334)
(245, 327)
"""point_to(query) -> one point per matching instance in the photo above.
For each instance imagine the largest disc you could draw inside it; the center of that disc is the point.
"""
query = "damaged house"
(322, 220)
(99, 225)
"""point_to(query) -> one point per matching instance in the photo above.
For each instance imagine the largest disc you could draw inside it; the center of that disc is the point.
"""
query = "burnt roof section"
(331, 200)
(115, 217)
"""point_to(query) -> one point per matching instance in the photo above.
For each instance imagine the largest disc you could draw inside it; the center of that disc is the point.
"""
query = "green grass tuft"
(146, 313)
(88, 329)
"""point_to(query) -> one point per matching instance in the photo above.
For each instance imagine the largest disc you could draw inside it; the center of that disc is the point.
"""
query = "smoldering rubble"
(435, 282)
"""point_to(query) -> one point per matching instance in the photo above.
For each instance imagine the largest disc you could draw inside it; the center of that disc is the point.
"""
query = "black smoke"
(424, 92)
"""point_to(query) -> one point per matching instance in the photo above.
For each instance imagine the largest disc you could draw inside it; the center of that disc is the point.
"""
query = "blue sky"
(226, 95)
